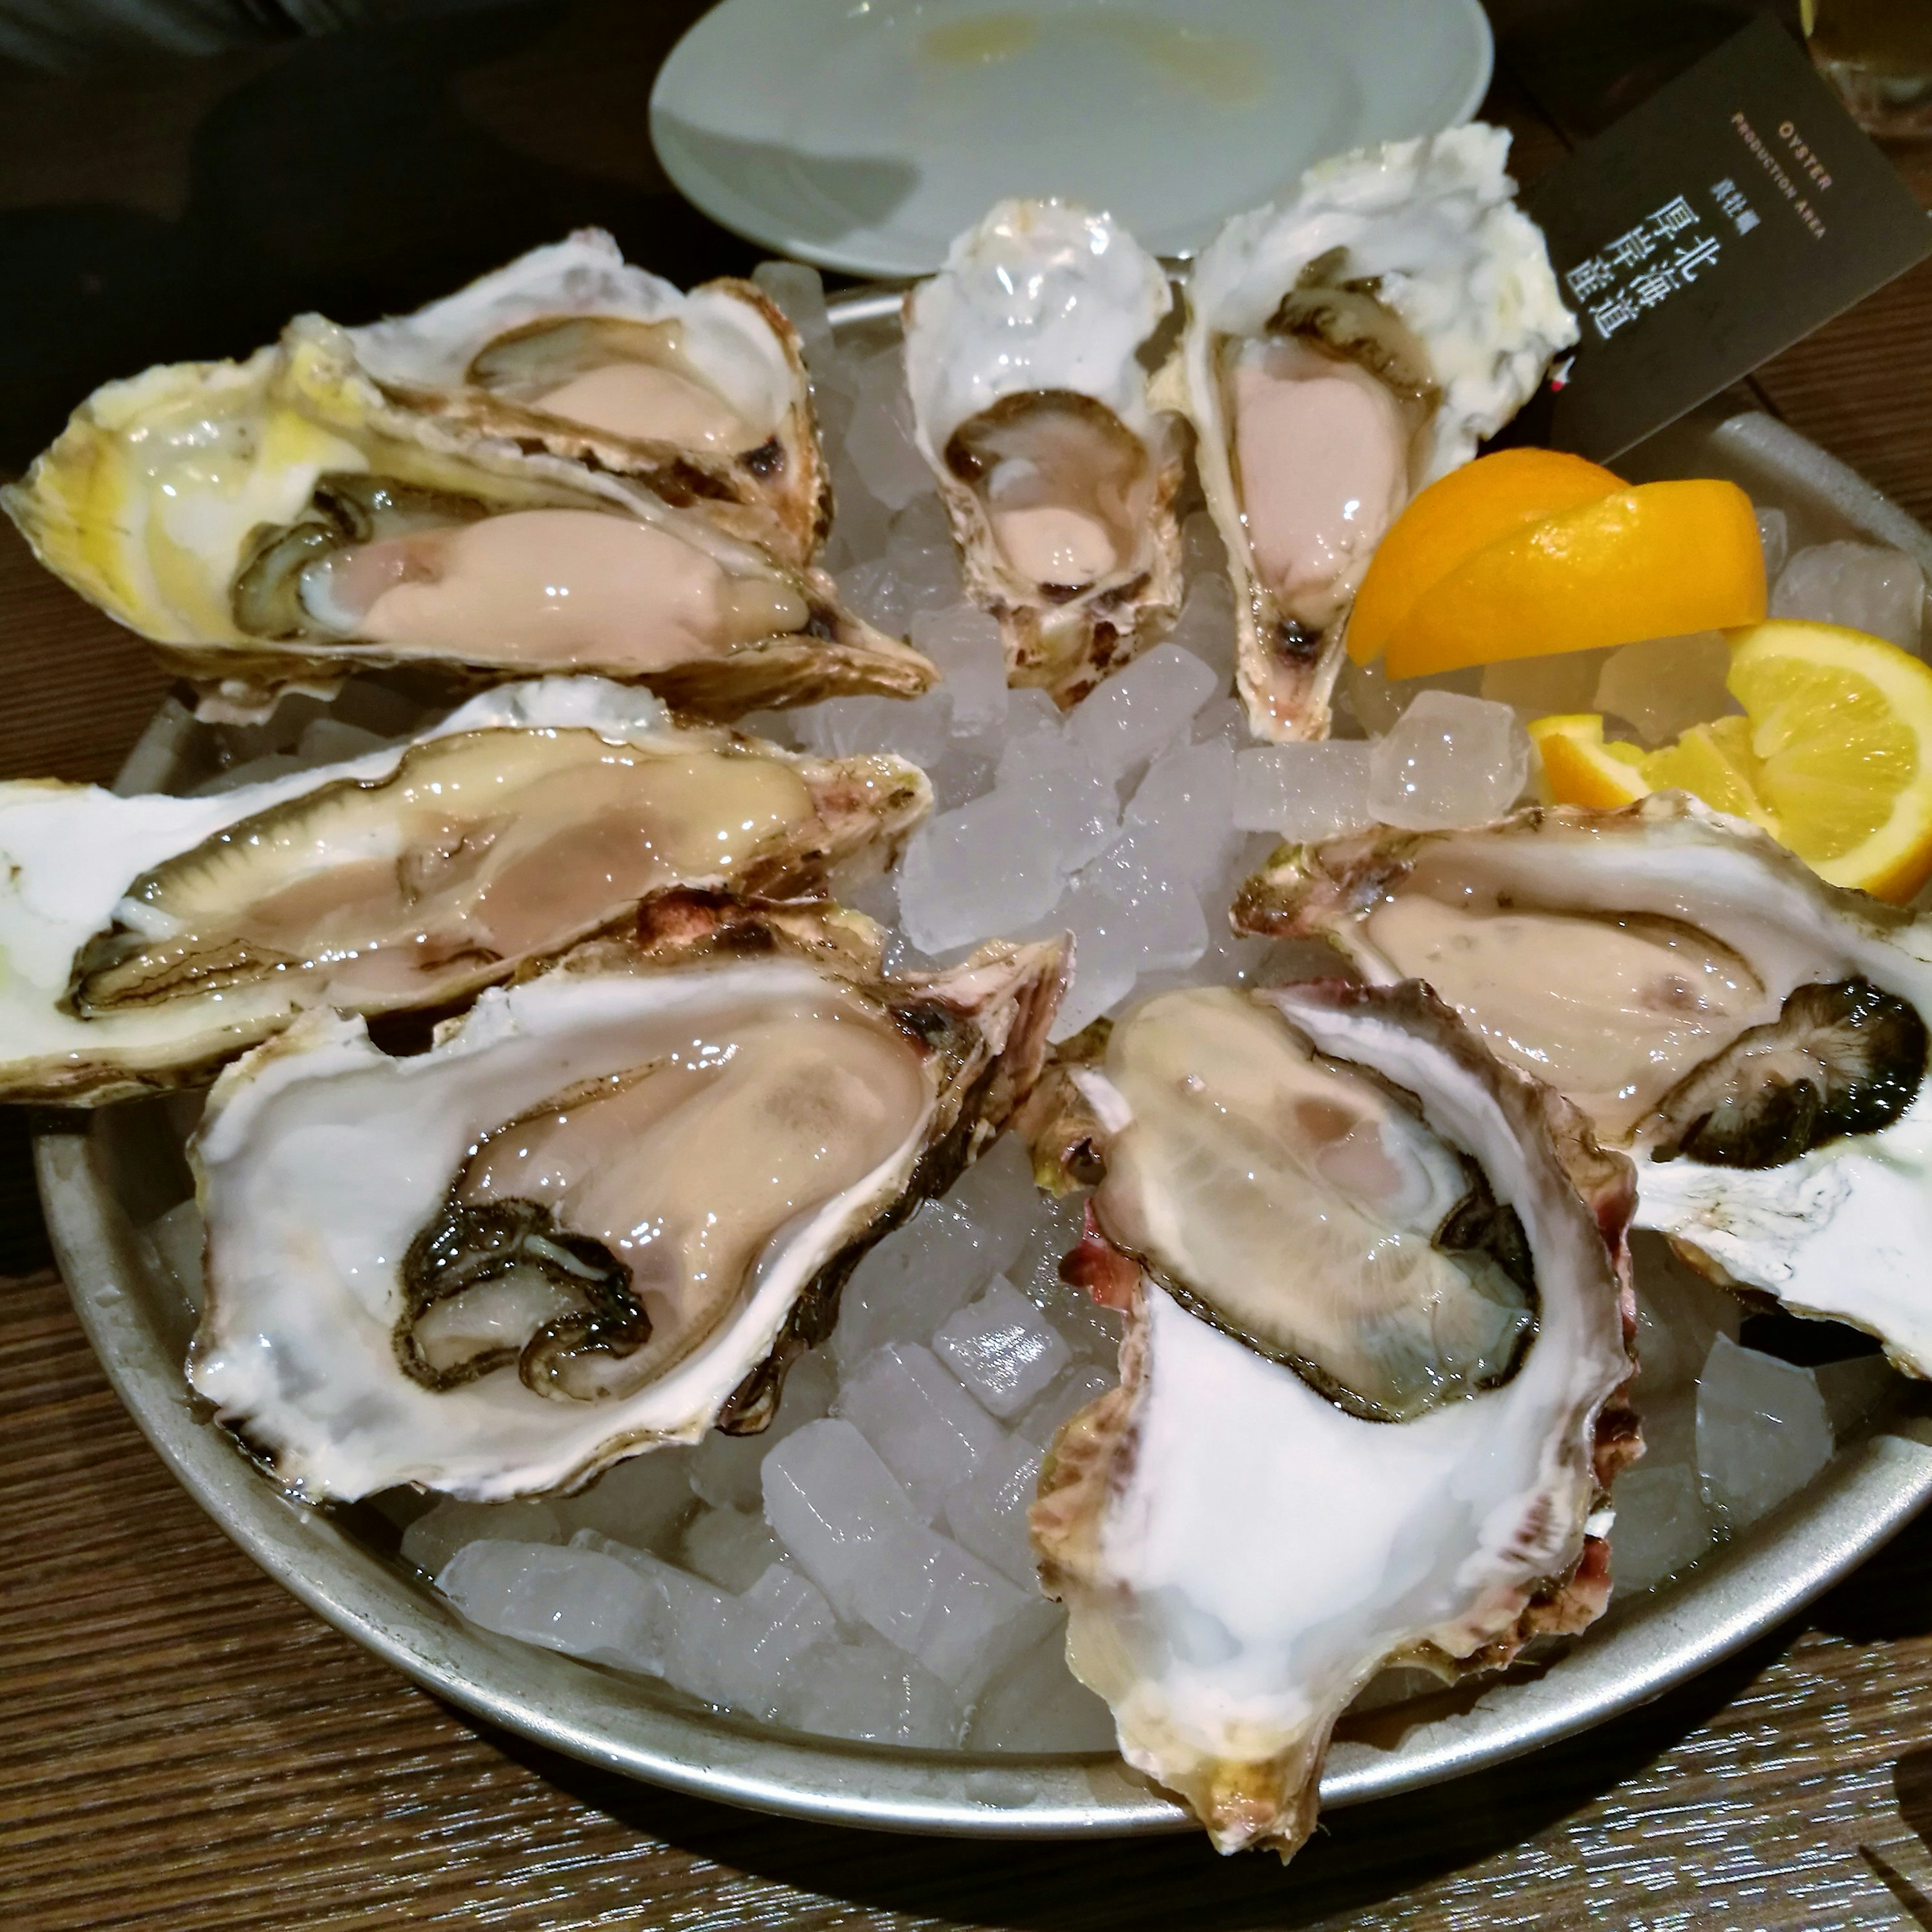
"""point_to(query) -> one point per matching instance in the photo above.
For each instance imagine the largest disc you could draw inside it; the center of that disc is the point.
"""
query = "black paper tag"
(1736, 210)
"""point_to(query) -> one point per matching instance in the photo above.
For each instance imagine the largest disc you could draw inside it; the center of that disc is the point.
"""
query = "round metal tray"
(103, 1177)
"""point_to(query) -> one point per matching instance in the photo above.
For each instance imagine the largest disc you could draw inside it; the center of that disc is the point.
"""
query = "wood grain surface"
(181, 1744)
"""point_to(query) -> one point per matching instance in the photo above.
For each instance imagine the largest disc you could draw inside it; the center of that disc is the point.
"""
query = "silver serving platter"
(102, 1177)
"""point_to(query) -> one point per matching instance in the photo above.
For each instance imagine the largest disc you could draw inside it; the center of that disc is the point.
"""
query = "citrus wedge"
(1466, 510)
(1657, 561)
(1832, 757)
(1841, 727)
(1579, 768)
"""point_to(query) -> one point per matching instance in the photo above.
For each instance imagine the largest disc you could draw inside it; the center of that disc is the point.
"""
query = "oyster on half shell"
(1342, 352)
(1378, 1303)
(603, 1211)
(1030, 404)
(279, 522)
(702, 397)
(1757, 1039)
(145, 940)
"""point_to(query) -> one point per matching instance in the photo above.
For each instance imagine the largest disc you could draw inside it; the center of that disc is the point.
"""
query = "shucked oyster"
(1756, 1038)
(701, 398)
(1341, 352)
(281, 522)
(602, 1211)
(1030, 403)
(1378, 1291)
(143, 940)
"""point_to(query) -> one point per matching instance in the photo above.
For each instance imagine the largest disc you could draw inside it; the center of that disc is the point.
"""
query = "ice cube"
(1071, 807)
(1181, 816)
(1664, 684)
(328, 741)
(1853, 1389)
(987, 1512)
(1043, 1421)
(1223, 718)
(880, 441)
(1203, 553)
(855, 1533)
(922, 557)
(732, 1548)
(907, 1285)
(998, 1195)
(1205, 628)
(964, 642)
(866, 1689)
(1662, 1524)
(1763, 1431)
(1774, 536)
(864, 521)
(579, 1601)
(1302, 791)
(1863, 587)
(876, 594)
(1164, 924)
(1036, 1704)
(1451, 761)
(800, 293)
(434, 1538)
(642, 1500)
(1106, 955)
(724, 1468)
(1129, 716)
(917, 728)
(1679, 1315)
(985, 869)
(1538, 686)
(177, 1238)
(1001, 1348)
(726, 1649)
(927, 1430)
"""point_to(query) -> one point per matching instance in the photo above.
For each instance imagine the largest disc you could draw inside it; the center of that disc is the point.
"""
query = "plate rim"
(717, 200)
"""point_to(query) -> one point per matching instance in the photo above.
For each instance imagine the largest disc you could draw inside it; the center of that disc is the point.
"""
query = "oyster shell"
(1340, 353)
(602, 1211)
(1030, 403)
(1756, 1038)
(280, 522)
(703, 398)
(145, 940)
(1378, 1311)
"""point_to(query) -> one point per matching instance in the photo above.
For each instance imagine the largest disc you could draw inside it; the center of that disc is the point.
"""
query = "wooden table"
(181, 1744)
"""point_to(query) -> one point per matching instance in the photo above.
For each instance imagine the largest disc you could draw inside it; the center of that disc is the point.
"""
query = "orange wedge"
(1467, 510)
(1657, 561)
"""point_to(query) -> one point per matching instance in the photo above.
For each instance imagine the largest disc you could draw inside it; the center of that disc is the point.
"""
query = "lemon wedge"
(1832, 756)
(1579, 768)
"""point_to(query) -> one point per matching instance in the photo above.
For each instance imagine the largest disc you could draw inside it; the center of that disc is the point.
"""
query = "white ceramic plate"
(864, 134)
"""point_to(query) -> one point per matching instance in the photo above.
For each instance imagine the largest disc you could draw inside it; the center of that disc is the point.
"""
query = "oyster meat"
(144, 940)
(1030, 402)
(1378, 1293)
(1341, 352)
(281, 522)
(703, 397)
(602, 1212)
(1756, 1038)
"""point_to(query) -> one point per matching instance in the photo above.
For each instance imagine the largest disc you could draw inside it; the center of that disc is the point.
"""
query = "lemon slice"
(1841, 728)
(1832, 757)
(1579, 768)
